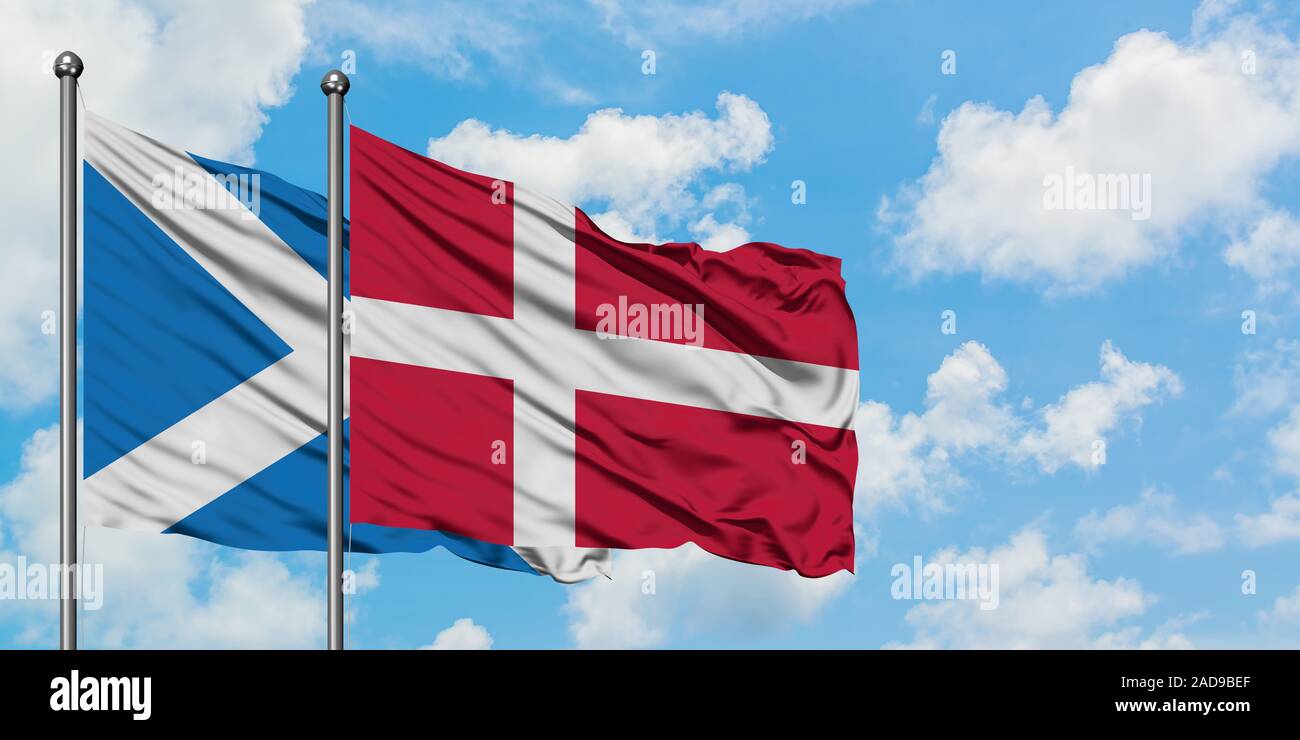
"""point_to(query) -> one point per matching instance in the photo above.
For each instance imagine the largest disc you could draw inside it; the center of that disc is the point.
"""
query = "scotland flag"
(205, 359)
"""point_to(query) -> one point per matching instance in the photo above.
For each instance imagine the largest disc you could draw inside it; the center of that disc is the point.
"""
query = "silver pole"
(335, 85)
(68, 67)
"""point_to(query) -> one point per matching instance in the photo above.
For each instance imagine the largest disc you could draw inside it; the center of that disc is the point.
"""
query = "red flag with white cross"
(520, 377)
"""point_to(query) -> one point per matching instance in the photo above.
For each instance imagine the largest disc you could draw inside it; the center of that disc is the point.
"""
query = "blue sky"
(976, 444)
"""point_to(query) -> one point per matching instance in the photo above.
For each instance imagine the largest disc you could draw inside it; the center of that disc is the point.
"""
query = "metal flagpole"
(335, 85)
(67, 67)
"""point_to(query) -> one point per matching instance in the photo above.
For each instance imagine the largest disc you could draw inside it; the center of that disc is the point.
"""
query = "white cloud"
(158, 590)
(1267, 381)
(447, 37)
(718, 236)
(365, 578)
(1046, 601)
(910, 458)
(614, 224)
(898, 464)
(201, 76)
(566, 92)
(1186, 114)
(26, 502)
(1268, 251)
(463, 634)
(1284, 439)
(1155, 519)
(1279, 524)
(673, 21)
(728, 198)
(1210, 14)
(660, 595)
(642, 167)
(253, 602)
(925, 117)
(1166, 636)
(1090, 412)
(960, 410)
(30, 284)
(1285, 611)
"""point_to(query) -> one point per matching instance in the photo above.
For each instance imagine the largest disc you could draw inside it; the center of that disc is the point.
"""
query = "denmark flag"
(519, 377)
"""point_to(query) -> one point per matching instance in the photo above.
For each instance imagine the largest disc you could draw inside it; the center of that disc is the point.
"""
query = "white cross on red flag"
(520, 377)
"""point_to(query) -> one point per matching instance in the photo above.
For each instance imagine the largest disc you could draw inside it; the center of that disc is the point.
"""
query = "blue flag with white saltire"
(205, 359)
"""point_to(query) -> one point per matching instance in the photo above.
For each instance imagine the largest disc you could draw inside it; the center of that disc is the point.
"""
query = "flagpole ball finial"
(333, 82)
(69, 64)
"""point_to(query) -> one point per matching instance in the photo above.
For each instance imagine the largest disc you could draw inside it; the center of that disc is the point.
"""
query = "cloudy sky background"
(1072, 327)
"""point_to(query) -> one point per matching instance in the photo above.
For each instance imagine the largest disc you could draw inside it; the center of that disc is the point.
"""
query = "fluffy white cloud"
(200, 75)
(463, 634)
(1088, 413)
(718, 236)
(1166, 636)
(1267, 381)
(672, 21)
(1269, 251)
(26, 502)
(1284, 439)
(723, 235)
(897, 462)
(960, 409)
(447, 37)
(1155, 519)
(1279, 524)
(253, 601)
(1045, 601)
(642, 167)
(1186, 114)
(1285, 611)
(660, 595)
(909, 459)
